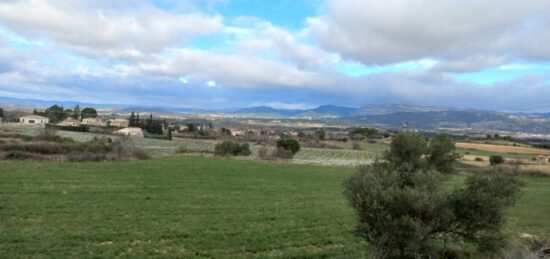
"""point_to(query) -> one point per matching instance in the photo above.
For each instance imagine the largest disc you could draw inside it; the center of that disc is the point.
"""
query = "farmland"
(160, 148)
(196, 207)
(502, 148)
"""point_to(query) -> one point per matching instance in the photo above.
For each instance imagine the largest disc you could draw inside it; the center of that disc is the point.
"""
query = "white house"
(34, 120)
(119, 123)
(94, 122)
(131, 132)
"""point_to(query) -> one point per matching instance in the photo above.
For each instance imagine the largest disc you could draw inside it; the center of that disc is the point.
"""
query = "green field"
(477, 152)
(195, 207)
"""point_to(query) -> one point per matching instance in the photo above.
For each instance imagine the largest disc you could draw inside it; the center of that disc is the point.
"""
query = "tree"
(76, 112)
(1, 113)
(322, 134)
(232, 148)
(132, 120)
(495, 160)
(290, 144)
(404, 212)
(441, 153)
(406, 151)
(226, 132)
(55, 113)
(89, 113)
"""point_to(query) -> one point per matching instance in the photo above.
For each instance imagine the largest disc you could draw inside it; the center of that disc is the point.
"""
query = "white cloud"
(382, 32)
(211, 83)
(94, 29)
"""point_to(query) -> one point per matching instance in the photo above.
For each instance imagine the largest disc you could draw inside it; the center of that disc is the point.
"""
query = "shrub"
(232, 148)
(406, 151)
(17, 155)
(281, 153)
(122, 148)
(404, 212)
(478, 159)
(289, 144)
(441, 153)
(263, 152)
(356, 146)
(141, 154)
(495, 160)
(86, 157)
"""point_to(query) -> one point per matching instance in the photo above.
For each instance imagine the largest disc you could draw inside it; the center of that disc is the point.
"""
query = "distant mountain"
(323, 110)
(393, 108)
(157, 110)
(265, 110)
(334, 110)
(459, 119)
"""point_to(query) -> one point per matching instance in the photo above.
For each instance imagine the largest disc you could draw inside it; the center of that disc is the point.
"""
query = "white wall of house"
(34, 121)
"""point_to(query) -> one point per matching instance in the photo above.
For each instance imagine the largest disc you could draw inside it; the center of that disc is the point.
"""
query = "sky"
(218, 54)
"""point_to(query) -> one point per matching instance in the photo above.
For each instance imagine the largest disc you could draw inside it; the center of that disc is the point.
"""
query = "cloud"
(258, 37)
(458, 32)
(97, 29)
(229, 70)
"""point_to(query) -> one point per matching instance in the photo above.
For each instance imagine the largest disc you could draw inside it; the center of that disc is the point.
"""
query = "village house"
(94, 122)
(119, 123)
(131, 132)
(543, 158)
(34, 120)
(70, 122)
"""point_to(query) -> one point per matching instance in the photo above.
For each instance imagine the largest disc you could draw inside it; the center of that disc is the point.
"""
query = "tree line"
(56, 113)
(152, 126)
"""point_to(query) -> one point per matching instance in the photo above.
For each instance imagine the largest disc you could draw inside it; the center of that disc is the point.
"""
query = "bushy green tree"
(89, 113)
(132, 121)
(54, 113)
(495, 160)
(322, 134)
(232, 148)
(441, 153)
(1, 113)
(403, 211)
(290, 144)
(406, 151)
(76, 112)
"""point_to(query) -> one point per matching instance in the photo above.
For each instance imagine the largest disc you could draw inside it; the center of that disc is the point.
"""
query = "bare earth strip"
(502, 149)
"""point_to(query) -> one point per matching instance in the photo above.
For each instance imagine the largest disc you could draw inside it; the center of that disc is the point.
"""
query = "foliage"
(406, 151)
(133, 120)
(367, 132)
(76, 112)
(152, 126)
(404, 213)
(232, 148)
(282, 153)
(441, 153)
(1, 113)
(289, 144)
(88, 112)
(225, 132)
(191, 127)
(356, 146)
(141, 154)
(54, 113)
(496, 159)
(322, 134)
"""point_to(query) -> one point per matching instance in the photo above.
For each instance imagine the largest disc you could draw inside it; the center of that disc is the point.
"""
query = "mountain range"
(386, 115)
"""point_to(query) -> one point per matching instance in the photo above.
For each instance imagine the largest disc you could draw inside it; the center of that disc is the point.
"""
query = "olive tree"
(404, 213)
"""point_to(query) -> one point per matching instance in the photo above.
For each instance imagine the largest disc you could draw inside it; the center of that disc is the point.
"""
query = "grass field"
(502, 149)
(487, 154)
(195, 207)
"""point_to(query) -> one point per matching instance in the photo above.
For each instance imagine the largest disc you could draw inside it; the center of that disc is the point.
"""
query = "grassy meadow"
(186, 206)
